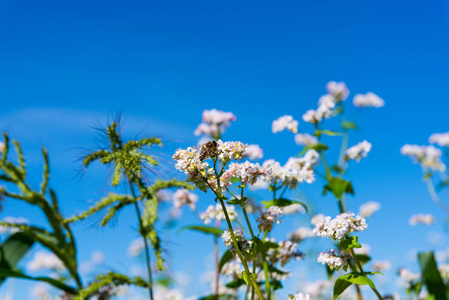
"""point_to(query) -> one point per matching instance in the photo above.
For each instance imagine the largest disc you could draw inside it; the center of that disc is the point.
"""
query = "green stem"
(265, 270)
(147, 250)
(344, 146)
(434, 196)
(363, 273)
(217, 274)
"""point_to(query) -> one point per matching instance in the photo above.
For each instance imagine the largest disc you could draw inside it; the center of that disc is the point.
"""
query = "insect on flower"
(209, 149)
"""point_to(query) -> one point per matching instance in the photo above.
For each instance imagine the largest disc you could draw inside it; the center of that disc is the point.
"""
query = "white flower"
(242, 242)
(293, 209)
(428, 156)
(232, 268)
(300, 234)
(41, 291)
(97, 257)
(215, 122)
(442, 139)
(358, 151)
(324, 110)
(317, 219)
(335, 259)
(253, 152)
(247, 172)
(267, 218)
(299, 296)
(341, 227)
(338, 90)
(368, 100)
(216, 213)
(426, 219)
(381, 265)
(369, 208)
(45, 260)
(286, 251)
(285, 122)
(136, 247)
(305, 139)
(183, 197)
(311, 116)
(12, 220)
(407, 275)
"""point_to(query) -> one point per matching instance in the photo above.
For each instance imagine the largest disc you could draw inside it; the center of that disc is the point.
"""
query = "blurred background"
(67, 67)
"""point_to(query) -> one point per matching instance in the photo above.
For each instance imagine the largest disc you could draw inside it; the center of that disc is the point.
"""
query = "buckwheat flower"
(136, 247)
(426, 219)
(293, 209)
(335, 259)
(45, 260)
(299, 296)
(247, 172)
(285, 122)
(368, 209)
(338, 90)
(328, 100)
(215, 122)
(232, 268)
(216, 213)
(267, 218)
(287, 250)
(442, 139)
(358, 151)
(230, 150)
(253, 152)
(428, 157)
(381, 265)
(317, 219)
(242, 242)
(41, 291)
(187, 161)
(341, 227)
(301, 234)
(368, 100)
(312, 116)
(305, 139)
(12, 220)
(183, 197)
(275, 170)
(408, 275)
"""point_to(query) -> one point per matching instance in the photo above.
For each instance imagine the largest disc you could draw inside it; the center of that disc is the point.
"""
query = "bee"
(208, 149)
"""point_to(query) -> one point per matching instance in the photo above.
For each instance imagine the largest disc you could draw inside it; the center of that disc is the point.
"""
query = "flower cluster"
(426, 219)
(335, 259)
(368, 209)
(341, 227)
(296, 170)
(242, 242)
(285, 252)
(324, 110)
(216, 213)
(305, 139)
(183, 197)
(317, 219)
(215, 122)
(253, 152)
(45, 260)
(300, 234)
(299, 296)
(368, 100)
(293, 209)
(267, 218)
(232, 268)
(442, 139)
(428, 156)
(247, 172)
(408, 275)
(285, 122)
(338, 90)
(381, 265)
(358, 151)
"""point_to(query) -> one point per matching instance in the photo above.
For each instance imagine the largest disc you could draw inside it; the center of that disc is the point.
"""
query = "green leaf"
(17, 274)
(246, 278)
(326, 132)
(431, 277)
(319, 147)
(235, 179)
(343, 282)
(276, 285)
(203, 229)
(338, 186)
(348, 125)
(14, 248)
(234, 201)
(441, 185)
(329, 272)
(363, 259)
(235, 283)
(350, 242)
(281, 203)
(212, 297)
(224, 259)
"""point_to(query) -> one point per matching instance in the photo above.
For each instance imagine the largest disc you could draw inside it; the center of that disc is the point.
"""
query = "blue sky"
(68, 66)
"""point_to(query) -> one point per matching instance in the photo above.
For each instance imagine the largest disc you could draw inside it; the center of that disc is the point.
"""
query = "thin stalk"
(363, 273)
(434, 195)
(147, 250)
(344, 146)
(239, 253)
(265, 271)
(217, 274)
